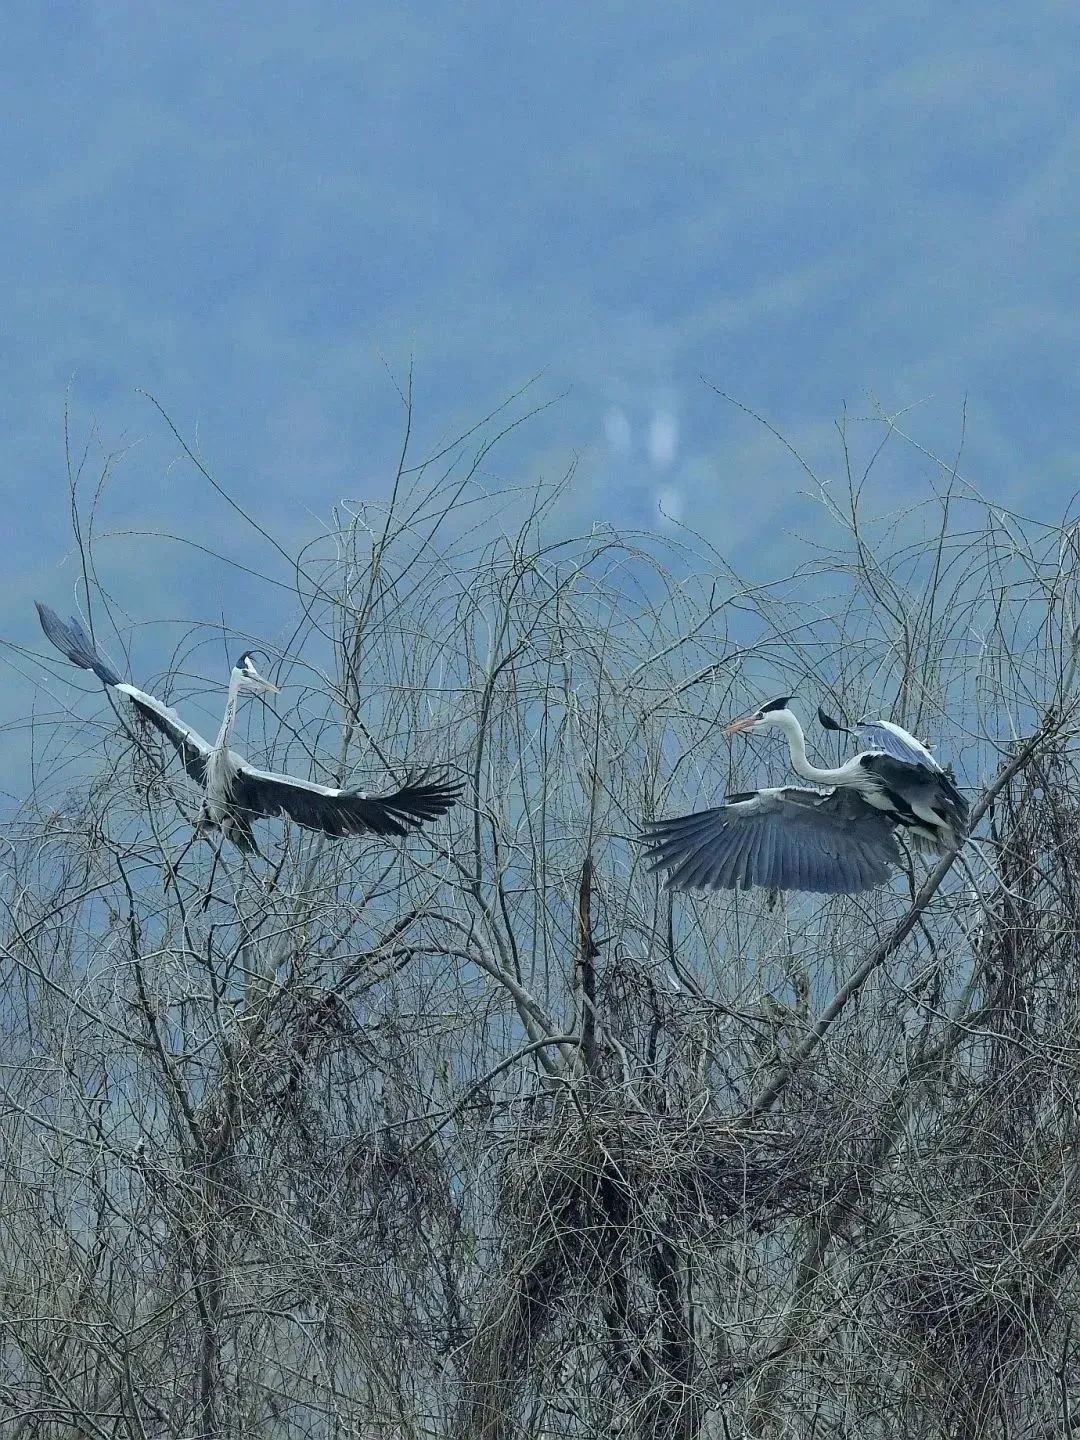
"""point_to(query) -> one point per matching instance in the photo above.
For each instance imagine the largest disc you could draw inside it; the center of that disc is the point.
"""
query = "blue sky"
(247, 209)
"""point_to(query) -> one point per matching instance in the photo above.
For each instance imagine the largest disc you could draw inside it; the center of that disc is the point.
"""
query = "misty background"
(263, 216)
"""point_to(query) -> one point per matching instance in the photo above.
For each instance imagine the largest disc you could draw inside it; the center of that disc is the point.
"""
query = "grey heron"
(236, 793)
(839, 840)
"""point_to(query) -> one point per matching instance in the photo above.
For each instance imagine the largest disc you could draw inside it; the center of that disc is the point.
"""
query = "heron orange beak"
(747, 722)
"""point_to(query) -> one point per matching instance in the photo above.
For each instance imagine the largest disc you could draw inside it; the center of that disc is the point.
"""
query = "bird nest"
(974, 1313)
(706, 1171)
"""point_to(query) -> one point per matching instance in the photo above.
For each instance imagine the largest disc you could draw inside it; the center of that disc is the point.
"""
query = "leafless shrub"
(486, 1135)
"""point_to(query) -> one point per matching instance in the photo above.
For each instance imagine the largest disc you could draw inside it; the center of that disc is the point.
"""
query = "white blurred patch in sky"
(669, 501)
(617, 431)
(663, 439)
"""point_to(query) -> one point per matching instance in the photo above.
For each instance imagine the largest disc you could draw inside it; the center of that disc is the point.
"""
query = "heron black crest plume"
(828, 723)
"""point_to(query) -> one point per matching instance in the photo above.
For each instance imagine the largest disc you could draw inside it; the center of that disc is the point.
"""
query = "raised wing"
(783, 839)
(883, 735)
(894, 740)
(72, 640)
(344, 812)
(192, 748)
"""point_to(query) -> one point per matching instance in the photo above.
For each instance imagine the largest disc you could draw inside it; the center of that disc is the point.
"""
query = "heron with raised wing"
(835, 840)
(236, 793)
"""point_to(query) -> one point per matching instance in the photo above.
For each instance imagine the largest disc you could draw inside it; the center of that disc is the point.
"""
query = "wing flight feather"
(785, 839)
(73, 642)
(194, 751)
(894, 740)
(345, 812)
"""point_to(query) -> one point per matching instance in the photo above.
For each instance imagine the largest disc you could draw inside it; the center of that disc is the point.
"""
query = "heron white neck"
(228, 720)
(797, 748)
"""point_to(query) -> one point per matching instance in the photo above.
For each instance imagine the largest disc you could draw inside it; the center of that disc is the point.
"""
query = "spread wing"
(783, 839)
(894, 740)
(192, 748)
(344, 812)
(72, 640)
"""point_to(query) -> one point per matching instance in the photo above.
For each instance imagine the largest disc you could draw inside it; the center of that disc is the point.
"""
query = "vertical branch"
(588, 952)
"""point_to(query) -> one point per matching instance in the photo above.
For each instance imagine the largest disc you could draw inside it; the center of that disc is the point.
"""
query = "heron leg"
(909, 872)
(173, 866)
(213, 873)
(270, 879)
(198, 830)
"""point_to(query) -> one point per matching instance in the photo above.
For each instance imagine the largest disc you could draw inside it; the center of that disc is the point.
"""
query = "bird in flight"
(235, 793)
(837, 840)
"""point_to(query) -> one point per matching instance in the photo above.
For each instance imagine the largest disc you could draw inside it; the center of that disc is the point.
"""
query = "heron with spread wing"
(236, 793)
(838, 840)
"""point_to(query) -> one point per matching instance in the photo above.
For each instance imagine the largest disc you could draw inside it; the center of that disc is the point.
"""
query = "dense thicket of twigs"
(483, 1135)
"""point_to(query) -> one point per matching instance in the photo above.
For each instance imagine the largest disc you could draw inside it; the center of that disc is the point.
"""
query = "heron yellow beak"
(747, 722)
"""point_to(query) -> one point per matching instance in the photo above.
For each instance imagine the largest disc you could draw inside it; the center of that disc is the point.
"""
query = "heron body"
(908, 781)
(839, 839)
(235, 793)
(220, 808)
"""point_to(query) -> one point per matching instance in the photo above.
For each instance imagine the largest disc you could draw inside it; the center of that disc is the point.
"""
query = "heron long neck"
(224, 735)
(797, 747)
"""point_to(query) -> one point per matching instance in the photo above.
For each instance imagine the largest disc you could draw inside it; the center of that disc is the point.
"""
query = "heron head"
(770, 713)
(248, 678)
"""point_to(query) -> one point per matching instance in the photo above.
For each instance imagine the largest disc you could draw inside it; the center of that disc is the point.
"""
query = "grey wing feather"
(894, 740)
(344, 812)
(72, 640)
(784, 839)
(193, 750)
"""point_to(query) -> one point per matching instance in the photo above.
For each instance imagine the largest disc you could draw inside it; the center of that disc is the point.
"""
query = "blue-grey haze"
(249, 210)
